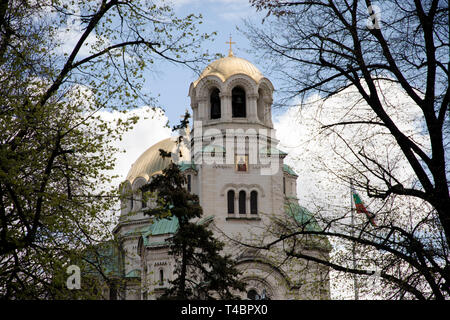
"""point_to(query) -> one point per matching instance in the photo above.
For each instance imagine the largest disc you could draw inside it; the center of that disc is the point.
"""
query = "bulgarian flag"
(360, 208)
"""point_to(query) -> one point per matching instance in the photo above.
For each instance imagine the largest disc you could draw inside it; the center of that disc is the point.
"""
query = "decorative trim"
(267, 263)
(138, 182)
(190, 171)
(126, 223)
(243, 217)
(242, 186)
(156, 245)
(258, 284)
(204, 85)
(287, 174)
(250, 85)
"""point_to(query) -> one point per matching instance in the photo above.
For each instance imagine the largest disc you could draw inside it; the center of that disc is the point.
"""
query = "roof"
(302, 215)
(226, 67)
(135, 273)
(289, 170)
(205, 220)
(106, 256)
(272, 150)
(185, 165)
(167, 225)
(151, 162)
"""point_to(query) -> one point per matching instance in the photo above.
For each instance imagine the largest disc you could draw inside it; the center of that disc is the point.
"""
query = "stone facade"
(242, 182)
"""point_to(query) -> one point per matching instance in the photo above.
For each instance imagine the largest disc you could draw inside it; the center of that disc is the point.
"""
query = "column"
(202, 112)
(225, 104)
(252, 107)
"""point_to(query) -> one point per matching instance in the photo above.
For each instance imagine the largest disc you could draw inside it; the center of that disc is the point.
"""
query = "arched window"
(242, 202)
(161, 277)
(254, 202)
(230, 199)
(113, 292)
(215, 104)
(238, 102)
(131, 201)
(143, 202)
(252, 294)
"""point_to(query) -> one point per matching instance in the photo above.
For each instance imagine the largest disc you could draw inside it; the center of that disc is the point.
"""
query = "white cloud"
(149, 130)
(71, 31)
(317, 157)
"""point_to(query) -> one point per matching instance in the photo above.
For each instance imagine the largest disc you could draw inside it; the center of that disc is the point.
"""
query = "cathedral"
(231, 162)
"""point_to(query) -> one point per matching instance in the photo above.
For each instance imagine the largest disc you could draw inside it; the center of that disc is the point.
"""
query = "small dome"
(228, 66)
(151, 162)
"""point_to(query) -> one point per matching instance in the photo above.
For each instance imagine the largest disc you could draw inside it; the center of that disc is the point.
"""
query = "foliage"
(60, 63)
(202, 272)
(374, 87)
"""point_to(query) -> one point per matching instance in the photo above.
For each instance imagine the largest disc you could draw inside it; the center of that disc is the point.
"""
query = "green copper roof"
(158, 227)
(302, 216)
(136, 231)
(162, 226)
(136, 273)
(106, 256)
(271, 150)
(289, 170)
(184, 165)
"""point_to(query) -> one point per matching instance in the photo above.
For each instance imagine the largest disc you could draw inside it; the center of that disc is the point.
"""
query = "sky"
(171, 82)
(296, 127)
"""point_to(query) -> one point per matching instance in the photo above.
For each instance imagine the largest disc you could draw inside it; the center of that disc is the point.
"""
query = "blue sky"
(171, 82)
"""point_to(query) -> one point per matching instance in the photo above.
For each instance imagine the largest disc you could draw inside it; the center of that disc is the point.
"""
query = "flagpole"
(355, 282)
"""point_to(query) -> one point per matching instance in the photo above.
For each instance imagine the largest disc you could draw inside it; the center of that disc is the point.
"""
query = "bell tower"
(232, 90)
(231, 162)
(239, 170)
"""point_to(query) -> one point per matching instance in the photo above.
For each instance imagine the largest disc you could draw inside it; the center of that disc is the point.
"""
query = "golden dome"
(151, 162)
(228, 66)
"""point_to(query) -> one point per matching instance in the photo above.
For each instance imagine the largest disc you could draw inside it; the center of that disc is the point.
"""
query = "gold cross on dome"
(230, 52)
